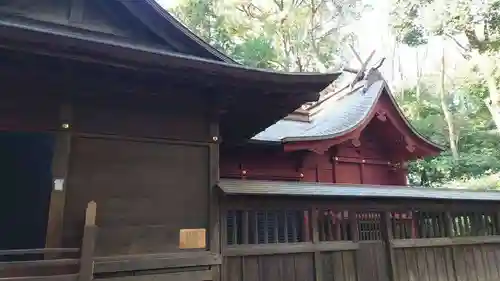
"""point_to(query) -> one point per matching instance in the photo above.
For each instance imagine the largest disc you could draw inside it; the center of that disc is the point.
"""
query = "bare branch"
(465, 49)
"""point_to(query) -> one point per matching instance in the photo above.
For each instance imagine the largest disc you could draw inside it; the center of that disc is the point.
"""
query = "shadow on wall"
(25, 186)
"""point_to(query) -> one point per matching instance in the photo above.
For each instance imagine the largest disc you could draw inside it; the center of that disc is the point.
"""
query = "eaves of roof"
(313, 189)
(131, 52)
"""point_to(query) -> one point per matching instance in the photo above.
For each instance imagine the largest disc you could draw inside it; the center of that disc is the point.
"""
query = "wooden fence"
(282, 240)
(65, 264)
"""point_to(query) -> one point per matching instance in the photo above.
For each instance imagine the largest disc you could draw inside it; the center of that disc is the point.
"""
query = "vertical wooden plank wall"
(454, 248)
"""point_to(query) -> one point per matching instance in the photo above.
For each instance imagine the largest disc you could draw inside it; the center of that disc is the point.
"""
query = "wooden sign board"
(193, 238)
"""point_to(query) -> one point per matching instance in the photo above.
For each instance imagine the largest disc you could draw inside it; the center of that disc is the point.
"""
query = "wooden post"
(214, 235)
(497, 223)
(60, 162)
(88, 244)
(387, 236)
(318, 263)
(353, 225)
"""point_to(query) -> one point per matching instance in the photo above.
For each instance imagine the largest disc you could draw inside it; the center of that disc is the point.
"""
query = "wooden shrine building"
(133, 151)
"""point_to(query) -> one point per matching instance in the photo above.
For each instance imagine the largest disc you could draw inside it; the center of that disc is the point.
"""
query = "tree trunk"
(418, 89)
(447, 114)
(493, 103)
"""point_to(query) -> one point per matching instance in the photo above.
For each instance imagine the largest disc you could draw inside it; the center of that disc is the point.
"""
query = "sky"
(373, 33)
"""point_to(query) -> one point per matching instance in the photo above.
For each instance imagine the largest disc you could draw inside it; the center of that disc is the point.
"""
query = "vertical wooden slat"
(234, 233)
(448, 222)
(459, 264)
(353, 222)
(318, 263)
(443, 225)
(306, 226)
(349, 266)
(345, 225)
(441, 270)
(338, 225)
(285, 225)
(497, 223)
(294, 227)
(256, 227)
(266, 227)
(423, 229)
(60, 163)
(276, 227)
(450, 264)
(392, 220)
(431, 263)
(386, 232)
(223, 222)
(244, 227)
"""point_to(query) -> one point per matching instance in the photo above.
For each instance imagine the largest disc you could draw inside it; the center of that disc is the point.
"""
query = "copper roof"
(313, 189)
(339, 114)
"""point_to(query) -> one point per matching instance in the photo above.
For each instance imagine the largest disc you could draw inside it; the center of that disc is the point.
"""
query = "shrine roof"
(337, 115)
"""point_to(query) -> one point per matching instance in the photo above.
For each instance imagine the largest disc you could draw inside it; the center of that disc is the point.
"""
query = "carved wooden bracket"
(320, 149)
(356, 142)
(410, 145)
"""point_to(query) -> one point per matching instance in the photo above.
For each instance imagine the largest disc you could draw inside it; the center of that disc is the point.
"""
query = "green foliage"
(478, 143)
(288, 35)
(416, 20)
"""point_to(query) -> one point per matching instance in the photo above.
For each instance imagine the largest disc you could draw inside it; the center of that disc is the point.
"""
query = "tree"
(477, 22)
(290, 35)
(216, 24)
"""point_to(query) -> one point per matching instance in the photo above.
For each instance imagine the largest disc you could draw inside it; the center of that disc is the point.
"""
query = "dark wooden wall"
(370, 161)
(148, 172)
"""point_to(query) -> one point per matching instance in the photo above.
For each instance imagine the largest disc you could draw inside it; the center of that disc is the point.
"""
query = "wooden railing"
(342, 239)
(54, 264)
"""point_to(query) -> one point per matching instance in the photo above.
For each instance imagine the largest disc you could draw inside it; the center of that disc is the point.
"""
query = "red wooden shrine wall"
(372, 162)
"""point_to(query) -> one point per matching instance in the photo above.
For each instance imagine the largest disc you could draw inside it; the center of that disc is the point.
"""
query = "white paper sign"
(59, 184)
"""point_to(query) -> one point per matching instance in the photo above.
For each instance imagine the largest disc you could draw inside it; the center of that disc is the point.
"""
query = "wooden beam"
(444, 241)
(59, 175)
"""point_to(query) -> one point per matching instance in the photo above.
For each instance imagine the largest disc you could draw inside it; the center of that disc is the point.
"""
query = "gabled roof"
(339, 115)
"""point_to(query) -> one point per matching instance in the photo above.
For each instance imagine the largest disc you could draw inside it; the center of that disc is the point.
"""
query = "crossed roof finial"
(361, 73)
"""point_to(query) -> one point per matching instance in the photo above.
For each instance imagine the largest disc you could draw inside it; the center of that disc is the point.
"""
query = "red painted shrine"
(355, 136)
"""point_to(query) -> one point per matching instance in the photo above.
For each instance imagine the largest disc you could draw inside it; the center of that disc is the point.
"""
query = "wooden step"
(68, 277)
